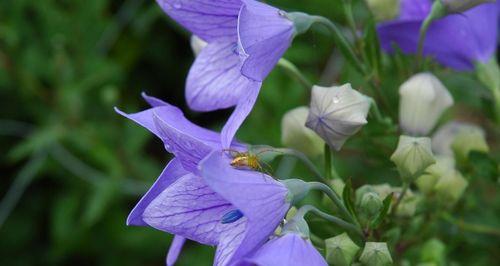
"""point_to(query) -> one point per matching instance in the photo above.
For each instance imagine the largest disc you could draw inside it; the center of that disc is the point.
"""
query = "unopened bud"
(336, 113)
(340, 250)
(444, 136)
(409, 203)
(376, 254)
(428, 180)
(450, 187)
(433, 252)
(467, 140)
(412, 156)
(297, 189)
(301, 21)
(197, 44)
(423, 99)
(459, 6)
(384, 9)
(296, 135)
(370, 204)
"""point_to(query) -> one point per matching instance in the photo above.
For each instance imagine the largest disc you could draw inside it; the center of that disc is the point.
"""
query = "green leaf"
(483, 166)
(99, 201)
(347, 198)
(383, 213)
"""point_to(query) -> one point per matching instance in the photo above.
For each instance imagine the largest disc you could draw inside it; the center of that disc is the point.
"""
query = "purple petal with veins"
(214, 80)
(175, 249)
(290, 250)
(208, 19)
(172, 172)
(264, 34)
(259, 197)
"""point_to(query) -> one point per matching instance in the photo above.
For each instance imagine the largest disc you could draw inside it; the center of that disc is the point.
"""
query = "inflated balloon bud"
(433, 252)
(384, 9)
(376, 254)
(336, 113)
(423, 98)
(296, 135)
(450, 187)
(370, 204)
(412, 156)
(340, 250)
(467, 140)
(428, 180)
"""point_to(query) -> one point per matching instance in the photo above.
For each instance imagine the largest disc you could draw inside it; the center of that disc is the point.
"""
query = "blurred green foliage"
(73, 169)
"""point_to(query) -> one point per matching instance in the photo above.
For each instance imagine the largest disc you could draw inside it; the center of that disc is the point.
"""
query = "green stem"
(334, 197)
(474, 228)
(339, 222)
(406, 185)
(293, 71)
(303, 158)
(437, 11)
(350, 21)
(328, 162)
(342, 42)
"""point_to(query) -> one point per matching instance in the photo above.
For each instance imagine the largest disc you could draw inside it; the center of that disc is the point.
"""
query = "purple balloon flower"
(457, 41)
(290, 249)
(229, 71)
(198, 187)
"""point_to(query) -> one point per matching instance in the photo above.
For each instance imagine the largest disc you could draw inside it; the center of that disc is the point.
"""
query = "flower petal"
(261, 199)
(154, 102)
(239, 114)
(264, 34)
(191, 209)
(208, 19)
(175, 249)
(415, 9)
(172, 171)
(455, 41)
(215, 81)
(290, 249)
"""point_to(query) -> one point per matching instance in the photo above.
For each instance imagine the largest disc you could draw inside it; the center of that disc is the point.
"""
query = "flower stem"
(406, 185)
(328, 162)
(293, 71)
(339, 222)
(342, 42)
(303, 158)
(334, 197)
(437, 11)
(474, 228)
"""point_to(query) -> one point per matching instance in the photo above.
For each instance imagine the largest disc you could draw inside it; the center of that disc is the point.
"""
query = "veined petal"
(172, 171)
(242, 110)
(208, 19)
(215, 81)
(264, 34)
(191, 209)
(415, 9)
(290, 249)
(175, 249)
(153, 101)
(259, 197)
(456, 41)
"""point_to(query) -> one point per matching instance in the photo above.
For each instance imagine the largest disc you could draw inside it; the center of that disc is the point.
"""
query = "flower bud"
(428, 180)
(409, 203)
(370, 204)
(450, 187)
(340, 250)
(459, 6)
(433, 252)
(296, 135)
(301, 21)
(376, 254)
(467, 140)
(423, 99)
(444, 136)
(384, 9)
(297, 189)
(336, 113)
(197, 44)
(412, 156)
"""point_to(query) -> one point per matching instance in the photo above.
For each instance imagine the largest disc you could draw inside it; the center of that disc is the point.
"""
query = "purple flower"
(290, 249)
(230, 69)
(199, 187)
(457, 41)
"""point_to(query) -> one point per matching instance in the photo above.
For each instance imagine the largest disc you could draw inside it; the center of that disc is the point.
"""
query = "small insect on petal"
(231, 216)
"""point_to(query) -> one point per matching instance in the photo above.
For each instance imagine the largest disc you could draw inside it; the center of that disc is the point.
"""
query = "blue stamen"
(231, 216)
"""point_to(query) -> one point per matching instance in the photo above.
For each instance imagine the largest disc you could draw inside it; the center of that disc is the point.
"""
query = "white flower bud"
(459, 6)
(340, 250)
(376, 254)
(423, 99)
(296, 135)
(450, 187)
(197, 44)
(409, 203)
(412, 156)
(467, 140)
(445, 135)
(370, 204)
(384, 9)
(336, 113)
(427, 181)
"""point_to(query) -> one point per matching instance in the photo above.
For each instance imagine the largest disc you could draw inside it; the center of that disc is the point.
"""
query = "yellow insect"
(248, 160)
